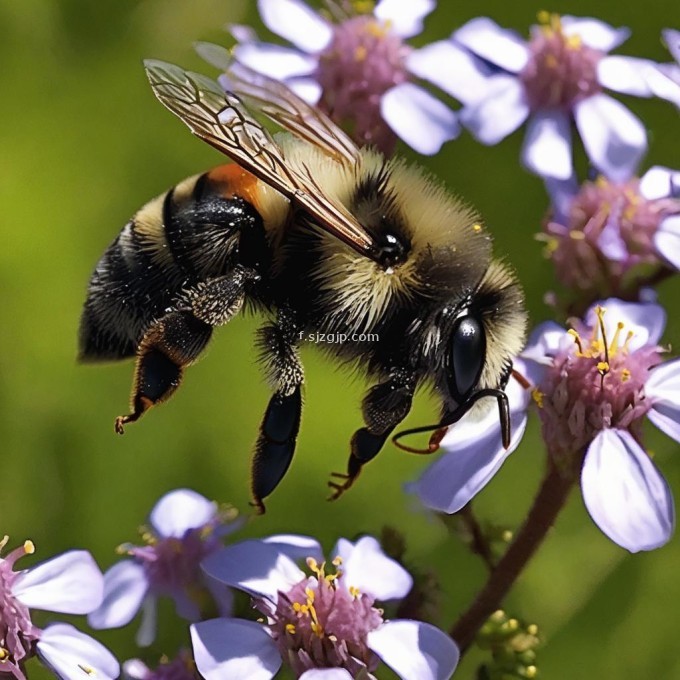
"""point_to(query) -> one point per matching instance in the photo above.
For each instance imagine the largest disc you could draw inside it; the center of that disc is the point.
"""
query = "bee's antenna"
(439, 430)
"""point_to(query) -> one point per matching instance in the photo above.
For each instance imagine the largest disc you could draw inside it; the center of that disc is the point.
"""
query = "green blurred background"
(83, 144)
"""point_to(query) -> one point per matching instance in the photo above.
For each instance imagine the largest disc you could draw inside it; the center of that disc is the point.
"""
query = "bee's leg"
(384, 407)
(279, 428)
(176, 340)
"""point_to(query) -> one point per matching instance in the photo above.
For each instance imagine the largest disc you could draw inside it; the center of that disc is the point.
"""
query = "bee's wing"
(221, 119)
(280, 104)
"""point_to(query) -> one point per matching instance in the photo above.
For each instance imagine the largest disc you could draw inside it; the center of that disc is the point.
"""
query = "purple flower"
(592, 386)
(359, 69)
(556, 77)
(664, 79)
(601, 233)
(182, 667)
(69, 584)
(185, 528)
(323, 625)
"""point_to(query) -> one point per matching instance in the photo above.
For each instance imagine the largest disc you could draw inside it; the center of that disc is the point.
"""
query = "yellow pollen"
(574, 42)
(603, 367)
(310, 595)
(4, 654)
(532, 629)
(543, 17)
(290, 628)
(29, 547)
(476, 228)
(550, 61)
(601, 181)
(378, 29)
(297, 607)
(625, 375)
(629, 337)
(337, 561)
(577, 235)
(537, 396)
(86, 669)
(360, 53)
(317, 629)
(354, 591)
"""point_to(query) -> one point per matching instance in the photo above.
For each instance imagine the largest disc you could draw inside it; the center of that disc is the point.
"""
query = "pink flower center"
(321, 623)
(17, 632)
(596, 384)
(610, 229)
(363, 60)
(561, 70)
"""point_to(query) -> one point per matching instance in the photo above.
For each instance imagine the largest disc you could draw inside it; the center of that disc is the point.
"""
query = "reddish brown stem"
(549, 501)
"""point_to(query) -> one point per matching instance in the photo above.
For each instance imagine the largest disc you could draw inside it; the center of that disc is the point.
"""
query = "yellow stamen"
(29, 547)
(310, 595)
(625, 375)
(4, 653)
(4, 541)
(360, 53)
(337, 561)
(574, 42)
(537, 396)
(615, 340)
(577, 340)
(354, 591)
(603, 367)
(577, 235)
(290, 628)
(87, 669)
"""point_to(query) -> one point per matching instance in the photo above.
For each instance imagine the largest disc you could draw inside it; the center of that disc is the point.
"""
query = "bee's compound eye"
(467, 352)
(391, 250)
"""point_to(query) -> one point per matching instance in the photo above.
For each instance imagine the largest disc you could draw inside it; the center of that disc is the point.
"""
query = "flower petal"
(453, 69)
(306, 88)
(625, 74)
(664, 81)
(326, 674)
(499, 113)
(667, 240)
(646, 320)
(663, 389)
(179, 511)
(488, 40)
(146, 633)
(297, 22)
(658, 182)
(415, 650)
(366, 567)
(260, 569)
(615, 139)
(672, 39)
(125, 585)
(135, 669)
(70, 583)
(547, 145)
(595, 33)
(473, 454)
(420, 119)
(275, 61)
(562, 193)
(234, 648)
(625, 494)
(404, 18)
(72, 655)
(297, 547)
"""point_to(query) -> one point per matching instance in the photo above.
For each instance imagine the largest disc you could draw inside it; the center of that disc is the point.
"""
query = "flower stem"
(549, 501)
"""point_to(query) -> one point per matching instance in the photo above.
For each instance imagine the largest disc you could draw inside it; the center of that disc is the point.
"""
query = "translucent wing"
(280, 104)
(222, 120)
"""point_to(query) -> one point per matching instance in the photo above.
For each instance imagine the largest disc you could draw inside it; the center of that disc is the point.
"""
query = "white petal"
(473, 454)
(663, 389)
(70, 583)
(181, 510)
(146, 633)
(547, 145)
(667, 240)
(595, 33)
(255, 567)
(241, 32)
(415, 650)
(545, 342)
(672, 39)
(452, 68)
(498, 45)
(562, 193)
(125, 585)
(405, 18)
(326, 674)
(72, 655)
(664, 81)
(625, 494)
(500, 112)
(135, 669)
(306, 88)
(297, 547)
(420, 119)
(234, 648)
(275, 61)
(658, 182)
(366, 567)
(646, 320)
(615, 140)
(625, 74)
(297, 22)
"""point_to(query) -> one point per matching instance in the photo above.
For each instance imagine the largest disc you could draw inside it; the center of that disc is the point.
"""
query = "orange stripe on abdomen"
(233, 180)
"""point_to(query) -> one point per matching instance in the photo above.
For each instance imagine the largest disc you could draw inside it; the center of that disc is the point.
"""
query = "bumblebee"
(321, 237)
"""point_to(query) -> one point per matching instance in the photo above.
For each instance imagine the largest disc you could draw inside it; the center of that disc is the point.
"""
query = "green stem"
(546, 507)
